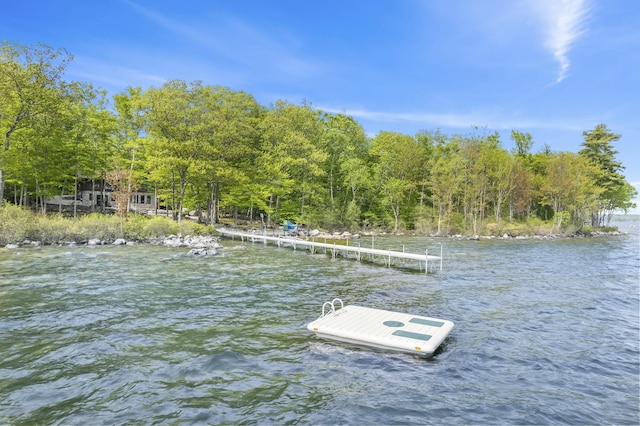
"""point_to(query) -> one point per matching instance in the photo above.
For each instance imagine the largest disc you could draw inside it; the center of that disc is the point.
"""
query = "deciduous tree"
(30, 78)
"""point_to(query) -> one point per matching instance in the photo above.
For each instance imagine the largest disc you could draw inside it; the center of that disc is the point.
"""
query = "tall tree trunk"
(210, 205)
(275, 216)
(173, 194)
(3, 172)
(269, 211)
(155, 194)
(75, 195)
(92, 202)
(2, 180)
(215, 192)
(103, 196)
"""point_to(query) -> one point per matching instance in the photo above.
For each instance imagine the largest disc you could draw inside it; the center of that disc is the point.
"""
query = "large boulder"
(200, 252)
(173, 241)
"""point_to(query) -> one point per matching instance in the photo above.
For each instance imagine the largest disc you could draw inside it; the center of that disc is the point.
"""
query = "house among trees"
(96, 196)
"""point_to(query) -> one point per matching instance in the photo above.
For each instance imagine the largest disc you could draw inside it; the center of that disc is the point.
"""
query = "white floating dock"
(389, 257)
(381, 329)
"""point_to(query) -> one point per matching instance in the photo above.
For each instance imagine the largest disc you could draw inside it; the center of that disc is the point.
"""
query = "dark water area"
(547, 332)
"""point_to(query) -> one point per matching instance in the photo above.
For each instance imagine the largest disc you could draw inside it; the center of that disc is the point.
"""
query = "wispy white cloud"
(564, 22)
(189, 32)
(461, 120)
(111, 75)
(232, 39)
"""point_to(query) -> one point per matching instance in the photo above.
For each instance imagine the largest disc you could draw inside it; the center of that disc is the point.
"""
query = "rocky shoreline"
(199, 245)
(348, 236)
(209, 245)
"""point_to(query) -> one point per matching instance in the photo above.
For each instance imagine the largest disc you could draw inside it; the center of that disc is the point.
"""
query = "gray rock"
(201, 252)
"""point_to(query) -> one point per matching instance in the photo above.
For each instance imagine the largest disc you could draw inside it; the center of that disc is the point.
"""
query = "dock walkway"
(388, 257)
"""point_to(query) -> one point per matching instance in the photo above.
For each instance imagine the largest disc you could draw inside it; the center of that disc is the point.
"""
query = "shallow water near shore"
(546, 332)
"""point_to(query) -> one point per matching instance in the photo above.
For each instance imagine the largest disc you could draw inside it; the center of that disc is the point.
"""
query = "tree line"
(219, 152)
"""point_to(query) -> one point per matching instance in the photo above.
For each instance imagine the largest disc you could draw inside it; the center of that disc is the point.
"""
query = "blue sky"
(553, 68)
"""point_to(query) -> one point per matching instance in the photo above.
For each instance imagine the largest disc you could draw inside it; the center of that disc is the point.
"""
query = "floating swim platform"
(381, 329)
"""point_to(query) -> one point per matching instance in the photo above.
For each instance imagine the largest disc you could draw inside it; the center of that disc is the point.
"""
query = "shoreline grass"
(18, 225)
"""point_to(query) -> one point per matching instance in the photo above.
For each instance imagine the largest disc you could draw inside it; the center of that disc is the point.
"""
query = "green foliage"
(161, 226)
(18, 225)
(15, 224)
(216, 150)
(614, 191)
(100, 226)
(456, 224)
(55, 229)
(352, 217)
(30, 90)
(587, 230)
(511, 229)
(189, 227)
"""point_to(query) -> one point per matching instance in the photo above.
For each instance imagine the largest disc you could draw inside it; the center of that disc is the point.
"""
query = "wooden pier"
(388, 257)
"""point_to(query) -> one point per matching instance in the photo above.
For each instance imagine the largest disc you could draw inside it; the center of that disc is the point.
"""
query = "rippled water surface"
(546, 332)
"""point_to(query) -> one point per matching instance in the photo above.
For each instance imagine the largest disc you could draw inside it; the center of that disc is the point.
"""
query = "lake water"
(547, 332)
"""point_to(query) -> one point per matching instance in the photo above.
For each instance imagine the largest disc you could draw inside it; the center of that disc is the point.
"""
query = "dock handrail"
(423, 259)
(332, 305)
(333, 302)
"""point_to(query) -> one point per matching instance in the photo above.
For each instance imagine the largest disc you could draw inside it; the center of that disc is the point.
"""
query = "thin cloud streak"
(564, 22)
(234, 40)
(458, 120)
(112, 75)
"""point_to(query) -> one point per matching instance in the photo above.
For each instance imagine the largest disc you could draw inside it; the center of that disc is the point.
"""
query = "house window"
(140, 199)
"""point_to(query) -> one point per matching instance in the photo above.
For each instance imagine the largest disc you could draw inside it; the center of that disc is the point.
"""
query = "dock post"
(426, 261)
(371, 258)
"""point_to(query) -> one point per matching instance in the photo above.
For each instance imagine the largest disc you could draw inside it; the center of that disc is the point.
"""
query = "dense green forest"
(219, 152)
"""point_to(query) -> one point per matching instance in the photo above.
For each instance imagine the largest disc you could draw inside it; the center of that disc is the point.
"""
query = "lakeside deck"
(389, 258)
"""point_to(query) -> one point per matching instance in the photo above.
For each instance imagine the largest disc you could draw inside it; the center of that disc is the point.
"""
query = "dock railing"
(390, 257)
